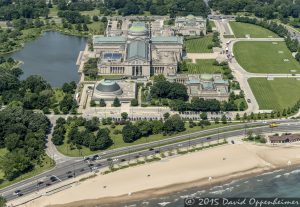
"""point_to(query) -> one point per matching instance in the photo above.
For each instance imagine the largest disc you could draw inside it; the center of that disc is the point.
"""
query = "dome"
(206, 77)
(190, 16)
(109, 86)
(138, 29)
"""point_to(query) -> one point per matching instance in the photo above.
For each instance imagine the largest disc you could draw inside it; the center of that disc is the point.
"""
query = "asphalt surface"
(73, 168)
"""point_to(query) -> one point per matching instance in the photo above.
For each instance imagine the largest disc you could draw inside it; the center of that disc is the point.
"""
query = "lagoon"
(52, 56)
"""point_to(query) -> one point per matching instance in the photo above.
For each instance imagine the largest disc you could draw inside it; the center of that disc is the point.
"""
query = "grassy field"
(95, 12)
(275, 94)
(240, 30)
(203, 66)
(47, 164)
(199, 45)
(212, 23)
(265, 57)
(96, 28)
(118, 140)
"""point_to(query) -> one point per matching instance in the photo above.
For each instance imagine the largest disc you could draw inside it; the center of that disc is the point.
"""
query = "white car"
(115, 160)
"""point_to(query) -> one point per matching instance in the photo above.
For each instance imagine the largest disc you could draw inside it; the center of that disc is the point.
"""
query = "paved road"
(78, 167)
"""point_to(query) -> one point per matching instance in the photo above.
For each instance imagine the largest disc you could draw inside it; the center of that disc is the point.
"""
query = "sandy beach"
(222, 164)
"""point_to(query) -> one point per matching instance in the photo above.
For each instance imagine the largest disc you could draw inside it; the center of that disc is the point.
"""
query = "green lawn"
(118, 140)
(265, 57)
(53, 11)
(212, 24)
(203, 66)
(275, 94)
(95, 12)
(199, 45)
(240, 30)
(96, 28)
(47, 164)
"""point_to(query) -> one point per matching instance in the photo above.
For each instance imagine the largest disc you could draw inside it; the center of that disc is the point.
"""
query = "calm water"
(281, 183)
(53, 56)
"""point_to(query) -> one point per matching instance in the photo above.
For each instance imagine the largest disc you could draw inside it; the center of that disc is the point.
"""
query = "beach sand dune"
(221, 163)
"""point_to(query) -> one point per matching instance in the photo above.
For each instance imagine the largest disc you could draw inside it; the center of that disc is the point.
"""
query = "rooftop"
(100, 39)
(172, 39)
(137, 49)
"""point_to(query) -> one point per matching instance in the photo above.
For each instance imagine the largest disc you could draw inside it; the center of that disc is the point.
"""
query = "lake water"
(280, 183)
(52, 56)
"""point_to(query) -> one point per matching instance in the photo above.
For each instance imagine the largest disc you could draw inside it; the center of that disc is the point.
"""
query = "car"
(99, 164)
(91, 165)
(82, 169)
(48, 184)
(20, 194)
(53, 178)
(115, 160)
(70, 176)
(96, 157)
(17, 192)
(69, 172)
(94, 168)
(248, 100)
(151, 149)
(157, 151)
(87, 158)
(123, 160)
(208, 138)
(232, 142)
(40, 183)
(137, 156)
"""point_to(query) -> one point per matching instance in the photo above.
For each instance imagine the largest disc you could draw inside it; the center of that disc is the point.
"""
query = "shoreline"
(223, 164)
(166, 190)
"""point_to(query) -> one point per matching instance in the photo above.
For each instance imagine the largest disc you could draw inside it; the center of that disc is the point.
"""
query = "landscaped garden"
(265, 57)
(203, 66)
(277, 94)
(199, 45)
(240, 30)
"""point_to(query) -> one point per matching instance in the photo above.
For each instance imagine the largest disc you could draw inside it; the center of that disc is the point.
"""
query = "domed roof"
(108, 86)
(190, 16)
(206, 77)
(138, 28)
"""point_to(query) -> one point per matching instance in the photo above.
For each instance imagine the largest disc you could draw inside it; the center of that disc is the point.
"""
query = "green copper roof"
(172, 39)
(138, 27)
(137, 49)
(100, 39)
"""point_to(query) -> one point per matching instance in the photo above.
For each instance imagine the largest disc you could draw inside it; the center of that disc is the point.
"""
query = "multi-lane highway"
(73, 168)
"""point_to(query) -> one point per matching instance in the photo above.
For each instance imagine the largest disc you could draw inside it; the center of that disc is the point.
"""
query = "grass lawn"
(241, 29)
(47, 164)
(95, 12)
(265, 57)
(212, 23)
(96, 28)
(118, 140)
(203, 66)
(275, 94)
(199, 45)
(53, 11)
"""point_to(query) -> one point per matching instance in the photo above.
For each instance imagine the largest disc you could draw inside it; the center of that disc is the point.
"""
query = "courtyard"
(275, 94)
(199, 45)
(265, 57)
(203, 66)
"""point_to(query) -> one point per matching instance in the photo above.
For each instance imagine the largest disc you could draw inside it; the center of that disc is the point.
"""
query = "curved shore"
(223, 164)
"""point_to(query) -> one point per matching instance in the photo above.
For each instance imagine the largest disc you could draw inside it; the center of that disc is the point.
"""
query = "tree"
(203, 116)
(242, 106)
(103, 139)
(124, 115)
(95, 18)
(130, 133)
(102, 103)
(134, 102)
(237, 117)
(174, 124)
(224, 119)
(2, 202)
(166, 115)
(116, 102)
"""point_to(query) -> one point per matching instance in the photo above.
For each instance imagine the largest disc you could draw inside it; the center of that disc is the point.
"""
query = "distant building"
(108, 90)
(284, 138)
(190, 25)
(136, 53)
(205, 86)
